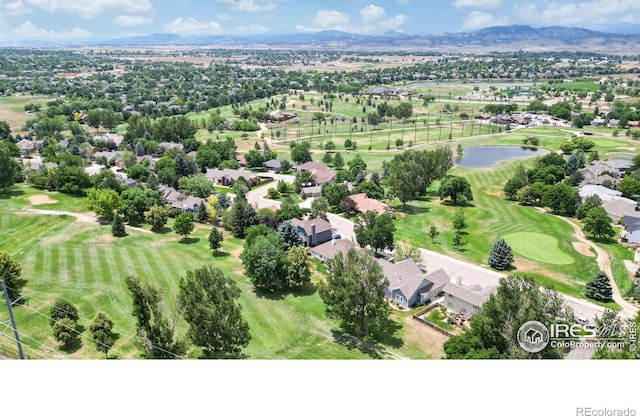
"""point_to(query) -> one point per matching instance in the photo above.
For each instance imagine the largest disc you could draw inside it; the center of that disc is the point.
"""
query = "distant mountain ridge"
(498, 38)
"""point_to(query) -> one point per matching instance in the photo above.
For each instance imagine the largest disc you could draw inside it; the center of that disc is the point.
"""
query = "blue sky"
(103, 19)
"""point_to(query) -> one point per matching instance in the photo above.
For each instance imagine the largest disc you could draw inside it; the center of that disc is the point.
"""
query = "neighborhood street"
(470, 273)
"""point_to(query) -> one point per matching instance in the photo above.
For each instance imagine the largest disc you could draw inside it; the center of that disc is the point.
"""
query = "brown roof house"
(328, 250)
(320, 172)
(409, 286)
(466, 299)
(364, 204)
(313, 231)
(227, 177)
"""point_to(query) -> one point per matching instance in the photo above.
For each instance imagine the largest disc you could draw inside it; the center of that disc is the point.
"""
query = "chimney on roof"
(459, 280)
(313, 234)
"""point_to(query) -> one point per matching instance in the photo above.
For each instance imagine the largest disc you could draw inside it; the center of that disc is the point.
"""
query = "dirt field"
(583, 249)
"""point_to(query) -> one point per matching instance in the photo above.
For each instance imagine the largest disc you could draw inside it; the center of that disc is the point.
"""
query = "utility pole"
(13, 321)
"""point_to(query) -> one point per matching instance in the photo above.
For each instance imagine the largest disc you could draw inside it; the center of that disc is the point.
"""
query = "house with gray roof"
(409, 286)
(274, 165)
(26, 147)
(331, 248)
(466, 299)
(313, 231)
(178, 200)
(619, 164)
(604, 193)
(631, 230)
(619, 208)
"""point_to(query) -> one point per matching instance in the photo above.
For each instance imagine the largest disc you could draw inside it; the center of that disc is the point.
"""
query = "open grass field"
(12, 109)
(86, 265)
(538, 247)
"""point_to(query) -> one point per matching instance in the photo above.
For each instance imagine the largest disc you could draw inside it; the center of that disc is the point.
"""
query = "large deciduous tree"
(209, 301)
(104, 202)
(10, 273)
(157, 217)
(457, 188)
(264, 261)
(298, 272)
(598, 223)
(354, 291)
(495, 326)
(102, 333)
(183, 224)
(9, 169)
(155, 334)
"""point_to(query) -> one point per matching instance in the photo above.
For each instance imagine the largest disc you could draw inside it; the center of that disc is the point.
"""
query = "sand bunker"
(41, 200)
(583, 249)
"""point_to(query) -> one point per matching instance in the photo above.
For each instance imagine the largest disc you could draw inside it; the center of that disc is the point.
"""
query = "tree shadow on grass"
(190, 240)
(306, 290)
(413, 209)
(12, 193)
(76, 343)
(163, 230)
(220, 254)
(352, 342)
(271, 294)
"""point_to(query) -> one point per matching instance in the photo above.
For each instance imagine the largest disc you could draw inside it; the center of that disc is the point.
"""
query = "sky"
(107, 19)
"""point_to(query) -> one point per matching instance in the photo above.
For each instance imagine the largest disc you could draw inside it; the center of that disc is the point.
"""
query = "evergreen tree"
(289, 234)
(599, 288)
(203, 213)
(117, 228)
(433, 233)
(501, 255)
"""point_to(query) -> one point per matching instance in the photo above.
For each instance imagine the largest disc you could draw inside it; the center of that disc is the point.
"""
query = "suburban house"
(631, 230)
(109, 137)
(329, 249)
(274, 165)
(116, 157)
(409, 286)
(312, 191)
(619, 208)
(242, 161)
(176, 199)
(466, 299)
(34, 165)
(364, 204)
(26, 147)
(313, 231)
(171, 145)
(227, 177)
(320, 172)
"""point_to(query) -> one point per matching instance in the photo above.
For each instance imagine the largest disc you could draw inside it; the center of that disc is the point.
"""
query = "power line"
(25, 335)
(24, 345)
(76, 331)
(131, 337)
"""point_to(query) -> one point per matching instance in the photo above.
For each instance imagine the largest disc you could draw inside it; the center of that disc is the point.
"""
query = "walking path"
(84, 217)
(604, 263)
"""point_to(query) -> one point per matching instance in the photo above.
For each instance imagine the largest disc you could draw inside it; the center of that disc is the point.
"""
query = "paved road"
(474, 274)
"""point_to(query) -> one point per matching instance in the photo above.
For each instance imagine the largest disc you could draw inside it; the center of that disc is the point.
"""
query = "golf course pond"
(485, 156)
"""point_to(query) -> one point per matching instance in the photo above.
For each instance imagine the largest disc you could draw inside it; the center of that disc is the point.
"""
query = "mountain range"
(496, 38)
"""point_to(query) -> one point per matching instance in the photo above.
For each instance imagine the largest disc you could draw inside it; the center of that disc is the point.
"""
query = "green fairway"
(539, 247)
(85, 264)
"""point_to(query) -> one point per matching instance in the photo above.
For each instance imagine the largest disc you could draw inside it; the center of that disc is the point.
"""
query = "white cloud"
(478, 20)
(250, 5)
(527, 12)
(374, 18)
(191, 26)
(17, 8)
(127, 21)
(331, 19)
(595, 11)
(479, 4)
(93, 8)
(251, 29)
(223, 16)
(29, 30)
